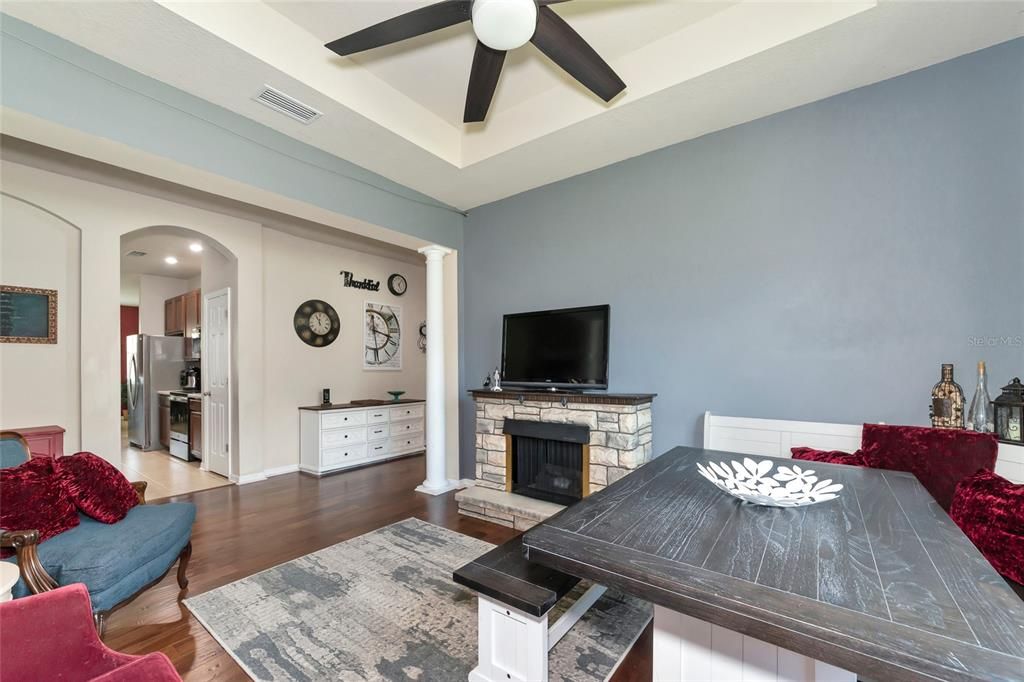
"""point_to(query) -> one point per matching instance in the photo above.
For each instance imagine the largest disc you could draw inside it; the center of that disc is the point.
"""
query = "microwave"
(193, 347)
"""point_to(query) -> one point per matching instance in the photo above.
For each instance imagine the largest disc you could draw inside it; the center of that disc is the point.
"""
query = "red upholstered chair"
(51, 636)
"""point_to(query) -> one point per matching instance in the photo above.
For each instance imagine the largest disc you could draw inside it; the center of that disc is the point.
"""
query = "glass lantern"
(1009, 409)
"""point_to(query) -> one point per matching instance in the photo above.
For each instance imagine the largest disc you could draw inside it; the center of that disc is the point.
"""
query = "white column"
(437, 481)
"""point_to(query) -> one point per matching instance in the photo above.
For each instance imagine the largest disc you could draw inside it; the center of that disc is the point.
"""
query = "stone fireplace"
(528, 444)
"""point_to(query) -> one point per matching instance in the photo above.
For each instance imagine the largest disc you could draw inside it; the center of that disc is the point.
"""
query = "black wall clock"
(317, 323)
(397, 284)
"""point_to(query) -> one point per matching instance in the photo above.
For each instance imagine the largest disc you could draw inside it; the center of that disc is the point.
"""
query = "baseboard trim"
(245, 479)
(280, 471)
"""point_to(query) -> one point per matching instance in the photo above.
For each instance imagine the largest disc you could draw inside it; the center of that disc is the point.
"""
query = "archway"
(174, 413)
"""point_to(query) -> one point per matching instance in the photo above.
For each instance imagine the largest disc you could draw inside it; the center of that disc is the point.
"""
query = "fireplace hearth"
(547, 461)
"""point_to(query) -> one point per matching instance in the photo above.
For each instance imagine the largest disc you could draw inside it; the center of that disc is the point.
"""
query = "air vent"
(289, 106)
(135, 254)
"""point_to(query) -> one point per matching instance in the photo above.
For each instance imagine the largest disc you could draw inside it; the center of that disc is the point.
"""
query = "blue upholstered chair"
(115, 561)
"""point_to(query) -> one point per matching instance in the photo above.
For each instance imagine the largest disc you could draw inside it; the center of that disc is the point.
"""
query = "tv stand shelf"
(595, 398)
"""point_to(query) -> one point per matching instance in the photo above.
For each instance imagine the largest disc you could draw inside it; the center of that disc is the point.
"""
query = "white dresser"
(339, 436)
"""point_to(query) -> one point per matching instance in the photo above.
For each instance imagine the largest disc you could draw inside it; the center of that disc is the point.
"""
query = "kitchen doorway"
(165, 271)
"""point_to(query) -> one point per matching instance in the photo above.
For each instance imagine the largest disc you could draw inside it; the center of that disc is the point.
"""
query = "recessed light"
(195, 247)
(171, 260)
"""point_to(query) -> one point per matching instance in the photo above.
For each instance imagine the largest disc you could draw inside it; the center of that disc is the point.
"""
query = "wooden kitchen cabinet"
(192, 306)
(195, 426)
(165, 421)
(182, 314)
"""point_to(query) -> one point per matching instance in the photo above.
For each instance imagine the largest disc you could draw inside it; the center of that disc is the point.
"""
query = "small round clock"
(317, 323)
(397, 284)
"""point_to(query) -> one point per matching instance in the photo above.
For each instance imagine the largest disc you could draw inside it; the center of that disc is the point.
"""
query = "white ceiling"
(158, 246)
(691, 67)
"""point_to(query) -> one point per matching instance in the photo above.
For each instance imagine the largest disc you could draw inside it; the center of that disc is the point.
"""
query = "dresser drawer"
(342, 437)
(407, 412)
(406, 427)
(405, 443)
(378, 431)
(378, 415)
(342, 456)
(334, 420)
(378, 449)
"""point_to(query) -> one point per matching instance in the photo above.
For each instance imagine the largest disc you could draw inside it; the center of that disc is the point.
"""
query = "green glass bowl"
(396, 395)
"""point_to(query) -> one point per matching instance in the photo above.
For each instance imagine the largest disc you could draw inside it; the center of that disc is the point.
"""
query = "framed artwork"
(28, 315)
(382, 336)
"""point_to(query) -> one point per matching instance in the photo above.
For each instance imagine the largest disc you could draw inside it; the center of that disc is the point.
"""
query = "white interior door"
(216, 354)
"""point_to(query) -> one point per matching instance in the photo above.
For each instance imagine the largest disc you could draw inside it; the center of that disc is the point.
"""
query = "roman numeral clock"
(382, 336)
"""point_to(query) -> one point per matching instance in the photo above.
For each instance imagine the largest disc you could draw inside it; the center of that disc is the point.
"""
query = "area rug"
(383, 606)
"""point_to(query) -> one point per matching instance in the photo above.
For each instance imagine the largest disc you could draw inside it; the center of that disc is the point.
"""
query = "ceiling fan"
(499, 25)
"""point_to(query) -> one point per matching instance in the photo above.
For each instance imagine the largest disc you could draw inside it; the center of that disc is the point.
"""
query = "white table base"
(687, 649)
(513, 645)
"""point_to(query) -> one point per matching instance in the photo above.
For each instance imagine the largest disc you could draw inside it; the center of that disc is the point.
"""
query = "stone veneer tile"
(628, 423)
(499, 411)
(603, 455)
(619, 441)
(559, 415)
(485, 426)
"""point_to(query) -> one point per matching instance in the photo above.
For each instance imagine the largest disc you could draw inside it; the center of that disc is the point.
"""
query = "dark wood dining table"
(879, 581)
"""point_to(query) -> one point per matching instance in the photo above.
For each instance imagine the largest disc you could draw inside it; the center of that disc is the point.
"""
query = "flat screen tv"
(556, 348)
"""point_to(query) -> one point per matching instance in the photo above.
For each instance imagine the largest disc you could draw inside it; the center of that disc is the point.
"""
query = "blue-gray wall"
(817, 264)
(54, 79)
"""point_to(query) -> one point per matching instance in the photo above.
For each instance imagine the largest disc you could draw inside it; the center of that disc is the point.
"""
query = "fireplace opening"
(547, 461)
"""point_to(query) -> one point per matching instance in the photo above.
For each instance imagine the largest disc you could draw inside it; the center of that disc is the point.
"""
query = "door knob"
(206, 393)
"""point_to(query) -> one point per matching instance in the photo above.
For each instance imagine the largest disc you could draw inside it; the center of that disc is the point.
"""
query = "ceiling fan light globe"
(504, 24)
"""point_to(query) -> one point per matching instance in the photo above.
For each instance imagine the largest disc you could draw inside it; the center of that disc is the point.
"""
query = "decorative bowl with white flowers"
(757, 483)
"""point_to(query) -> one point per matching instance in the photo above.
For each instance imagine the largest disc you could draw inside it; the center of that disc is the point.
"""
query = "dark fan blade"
(565, 47)
(408, 25)
(482, 80)
(549, 2)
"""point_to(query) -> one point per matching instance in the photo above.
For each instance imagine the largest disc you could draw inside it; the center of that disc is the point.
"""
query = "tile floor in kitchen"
(166, 475)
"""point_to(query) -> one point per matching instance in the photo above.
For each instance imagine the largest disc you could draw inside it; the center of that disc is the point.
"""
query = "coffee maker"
(190, 378)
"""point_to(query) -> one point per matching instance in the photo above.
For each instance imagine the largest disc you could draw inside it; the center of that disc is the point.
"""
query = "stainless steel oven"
(179, 426)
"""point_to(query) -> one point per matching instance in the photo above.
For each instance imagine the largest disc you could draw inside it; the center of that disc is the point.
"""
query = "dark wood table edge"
(898, 666)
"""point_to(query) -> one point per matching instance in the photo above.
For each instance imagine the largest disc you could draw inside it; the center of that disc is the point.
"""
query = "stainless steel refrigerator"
(155, 364)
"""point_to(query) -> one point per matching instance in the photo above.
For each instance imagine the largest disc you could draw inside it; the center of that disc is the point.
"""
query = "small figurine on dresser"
(947, 408)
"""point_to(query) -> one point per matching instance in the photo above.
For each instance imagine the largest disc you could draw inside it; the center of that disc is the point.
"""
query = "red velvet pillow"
(829, 456)
(31, 498)
(940, 458)
(990, 511)
(96, 487)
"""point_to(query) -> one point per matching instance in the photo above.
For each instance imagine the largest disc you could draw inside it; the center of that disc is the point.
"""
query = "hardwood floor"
(241, 530)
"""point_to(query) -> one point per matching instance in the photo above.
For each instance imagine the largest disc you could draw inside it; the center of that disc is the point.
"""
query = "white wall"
(154, 290)
(296, 270)
(270, 273)
(103, 214)
(39, 382)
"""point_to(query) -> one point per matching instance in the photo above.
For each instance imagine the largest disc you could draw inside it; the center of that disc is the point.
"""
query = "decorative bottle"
(981, 417)
(947, 408)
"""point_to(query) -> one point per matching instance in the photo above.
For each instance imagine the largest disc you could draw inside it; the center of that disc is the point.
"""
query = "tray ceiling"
(690, 68)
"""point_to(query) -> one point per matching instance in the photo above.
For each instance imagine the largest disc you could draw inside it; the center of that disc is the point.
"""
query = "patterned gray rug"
(383, 606)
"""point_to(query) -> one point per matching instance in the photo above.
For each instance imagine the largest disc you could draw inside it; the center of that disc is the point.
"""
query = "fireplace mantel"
(620, 440)
(522, 395)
